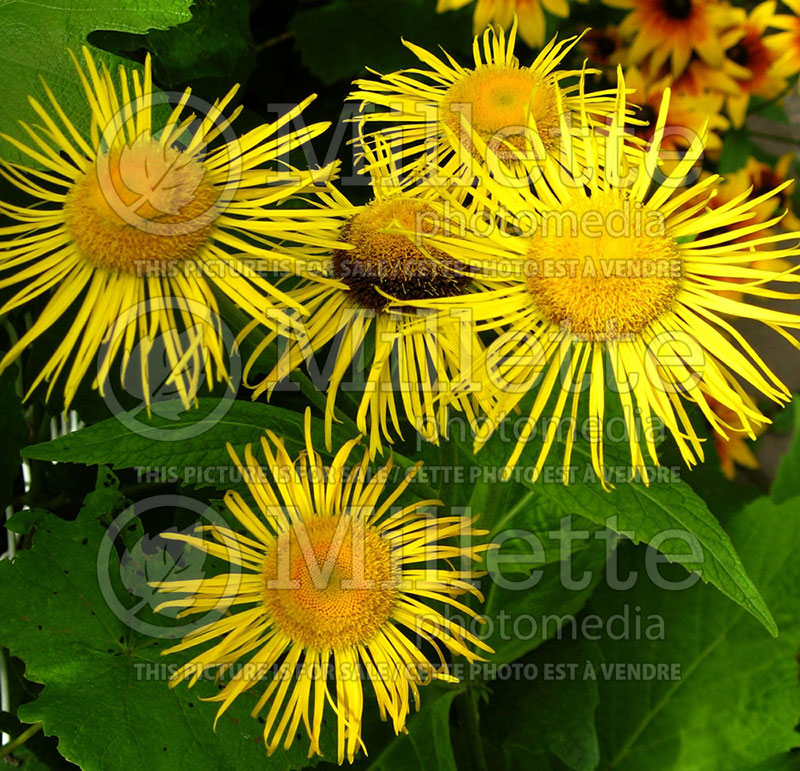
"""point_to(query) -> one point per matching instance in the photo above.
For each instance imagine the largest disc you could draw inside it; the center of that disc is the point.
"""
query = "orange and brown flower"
(672, 30)
(787, 43)
(748, 46)
(687, 114)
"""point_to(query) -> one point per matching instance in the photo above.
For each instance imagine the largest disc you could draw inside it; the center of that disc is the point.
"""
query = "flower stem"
(20, 740)
(469, 720)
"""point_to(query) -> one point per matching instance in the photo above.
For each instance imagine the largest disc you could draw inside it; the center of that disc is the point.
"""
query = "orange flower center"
(329, 582)
(497, 103)
(602, 267)
(142, 208)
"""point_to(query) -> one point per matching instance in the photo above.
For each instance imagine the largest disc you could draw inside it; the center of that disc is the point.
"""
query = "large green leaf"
(542, 712)
(367, 33)
(35, 36)
(215, 43)
(427, 745)
(734, 701)
(537, 583)
(663, 513)
(676, 679)
(105, 686)
(787, 480)
(134, 440)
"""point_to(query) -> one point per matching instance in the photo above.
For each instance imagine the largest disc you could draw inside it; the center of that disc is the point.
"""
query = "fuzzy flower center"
(497, 101)
(385, 260)
(142, 208)
(329, 582)
(603, 267)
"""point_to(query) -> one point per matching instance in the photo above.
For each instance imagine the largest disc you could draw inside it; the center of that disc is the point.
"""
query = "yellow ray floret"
(532, 24)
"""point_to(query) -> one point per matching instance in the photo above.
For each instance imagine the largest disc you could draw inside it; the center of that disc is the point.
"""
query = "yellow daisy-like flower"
(366, 257)
(754, 180)
(340, 584)
(135, 226)
(688, 113)
(603, 46)
(672, 30)
(618, 290)
(787, 43)
(748, 46)
(529, 13)
(700, 80)
(455, 120)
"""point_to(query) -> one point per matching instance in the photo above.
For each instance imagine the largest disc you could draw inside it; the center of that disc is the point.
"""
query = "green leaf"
(526, 608)
(216, 43)
(179, 438)
(105, 687)
(525, 583)
(35, 36)
(546, 711)
(666, 513)
(734, 700)
(189, 445)
(368, 34)
(23, 522)
(787, 479)
(427, 745)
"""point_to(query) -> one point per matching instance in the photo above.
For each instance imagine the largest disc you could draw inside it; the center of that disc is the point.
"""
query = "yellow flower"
(748, 46)
(603, 46)
(688, 114)
(134, 227)
(616, 296)
(338, 583)
(756, 178)
(786, 44)
(699, 79)
(366, 256)
(449, 116)
(672, 30)
(503, 12)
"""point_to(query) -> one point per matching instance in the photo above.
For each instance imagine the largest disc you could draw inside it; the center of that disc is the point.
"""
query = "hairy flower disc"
(393, 262)
(327, 588)
(603, 269)
(141, 208)
(497, 102)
